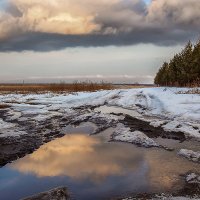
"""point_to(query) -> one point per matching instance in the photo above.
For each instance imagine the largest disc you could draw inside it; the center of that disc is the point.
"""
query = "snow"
(175, 198)
(9, 130)
(5, 125)
(13, 115)
(124, 134)
(164, 104)
(157, 122)
(165, 198)
(166, 107)
(193, 178)
(12, 133)
(191, 155)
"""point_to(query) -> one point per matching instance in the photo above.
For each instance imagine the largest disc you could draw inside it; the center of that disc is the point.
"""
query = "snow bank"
(166, 107)
(124, 134)
(182, 111)
(191, 155)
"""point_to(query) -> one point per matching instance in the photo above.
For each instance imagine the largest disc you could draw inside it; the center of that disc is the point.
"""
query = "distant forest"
(183, 70)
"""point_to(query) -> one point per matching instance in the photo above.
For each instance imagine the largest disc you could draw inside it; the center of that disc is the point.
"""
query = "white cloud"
(142, 22)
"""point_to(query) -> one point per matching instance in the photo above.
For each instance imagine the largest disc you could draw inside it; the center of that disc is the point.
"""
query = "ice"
(124, 134)
(191, 155)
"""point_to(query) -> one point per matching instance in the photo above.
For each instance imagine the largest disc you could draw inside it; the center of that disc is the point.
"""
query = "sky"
(120, 41)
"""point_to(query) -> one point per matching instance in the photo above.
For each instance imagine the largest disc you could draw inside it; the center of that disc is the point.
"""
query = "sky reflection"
(93, 169)
(79, 156)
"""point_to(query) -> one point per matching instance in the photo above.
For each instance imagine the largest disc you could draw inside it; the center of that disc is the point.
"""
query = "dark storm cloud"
(45, 26)
(50, 42)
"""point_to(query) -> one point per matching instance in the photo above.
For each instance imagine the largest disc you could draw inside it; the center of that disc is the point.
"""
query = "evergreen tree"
(195, 72)
(183, 69)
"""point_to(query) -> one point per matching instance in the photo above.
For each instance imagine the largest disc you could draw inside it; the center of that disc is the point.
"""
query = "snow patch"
(193, 178)
(157, 122)
(124, 134)
(9, 129)
(165, 107)
(163, 197)
(12, 133)
(191, 155)
(5, 125)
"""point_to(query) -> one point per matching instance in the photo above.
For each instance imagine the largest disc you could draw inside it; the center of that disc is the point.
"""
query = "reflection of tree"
(80, 156)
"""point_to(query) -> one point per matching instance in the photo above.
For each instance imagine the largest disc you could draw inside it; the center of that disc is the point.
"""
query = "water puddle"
(93, 168)
(117, 110)
(177, 145)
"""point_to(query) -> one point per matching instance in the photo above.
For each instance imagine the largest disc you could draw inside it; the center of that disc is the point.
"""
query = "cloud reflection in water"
(80, 156)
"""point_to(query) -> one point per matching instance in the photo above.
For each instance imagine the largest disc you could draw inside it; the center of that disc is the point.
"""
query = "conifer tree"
(183, 69)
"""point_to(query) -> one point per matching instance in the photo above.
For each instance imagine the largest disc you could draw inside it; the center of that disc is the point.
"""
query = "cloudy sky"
(114, 40)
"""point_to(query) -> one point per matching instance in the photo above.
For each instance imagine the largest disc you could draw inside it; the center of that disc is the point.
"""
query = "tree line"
(183, 70)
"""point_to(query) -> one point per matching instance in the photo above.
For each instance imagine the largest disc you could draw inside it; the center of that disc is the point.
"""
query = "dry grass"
(4, 106)
(58, 88)
(132, 86)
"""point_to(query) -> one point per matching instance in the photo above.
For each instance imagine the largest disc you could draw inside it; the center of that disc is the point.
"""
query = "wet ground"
(76, 150)
(132, 120)
(44, 129)
(93, 168)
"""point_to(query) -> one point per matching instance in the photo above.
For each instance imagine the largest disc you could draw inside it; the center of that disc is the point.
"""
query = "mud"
(151, 131)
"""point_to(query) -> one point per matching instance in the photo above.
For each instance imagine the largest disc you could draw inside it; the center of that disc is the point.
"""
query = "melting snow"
(5, 125)
(124, 134)
(165, 107)
(191, 155)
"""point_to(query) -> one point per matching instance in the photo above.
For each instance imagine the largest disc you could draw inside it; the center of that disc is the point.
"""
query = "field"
(55, 87)
(67, 87)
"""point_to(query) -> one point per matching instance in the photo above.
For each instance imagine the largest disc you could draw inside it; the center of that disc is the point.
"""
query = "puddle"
(117, 110)
(93, 168)
(177, 145)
